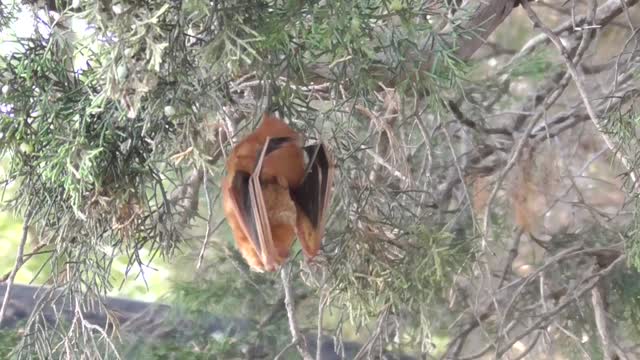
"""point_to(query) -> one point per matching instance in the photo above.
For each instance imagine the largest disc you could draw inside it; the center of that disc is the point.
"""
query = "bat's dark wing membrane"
(242, 203)
(314, 195)
(246, 192)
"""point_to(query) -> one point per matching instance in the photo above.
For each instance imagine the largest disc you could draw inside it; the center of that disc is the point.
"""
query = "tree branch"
(478, 20)
(606, 12)
(589, 282)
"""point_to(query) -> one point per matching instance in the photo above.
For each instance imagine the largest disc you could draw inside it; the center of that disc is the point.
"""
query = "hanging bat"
(270, 196)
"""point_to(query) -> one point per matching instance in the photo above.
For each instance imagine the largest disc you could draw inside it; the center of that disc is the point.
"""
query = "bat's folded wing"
(313, 198)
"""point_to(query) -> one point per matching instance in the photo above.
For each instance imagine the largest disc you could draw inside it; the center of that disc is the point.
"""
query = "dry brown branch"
(503, 173)
(550, 96)
(555, 94)
(564, 11)
(600, 314)
(510, 293)
(561, 256)
(454, 348)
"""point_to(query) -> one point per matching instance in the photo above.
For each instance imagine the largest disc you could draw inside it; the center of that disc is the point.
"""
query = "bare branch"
(600, 314)
(297, 338)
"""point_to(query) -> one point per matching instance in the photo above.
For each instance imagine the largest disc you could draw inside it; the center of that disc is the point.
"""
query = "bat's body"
(270, 195)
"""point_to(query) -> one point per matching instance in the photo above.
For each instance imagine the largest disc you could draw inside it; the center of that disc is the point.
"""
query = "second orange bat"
(270, 196)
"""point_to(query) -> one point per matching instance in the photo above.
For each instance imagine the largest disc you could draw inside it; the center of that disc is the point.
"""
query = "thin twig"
(324, 297)
(284, 350)
(18, 263)
(209, 218)
(513, 254)
(393, 170)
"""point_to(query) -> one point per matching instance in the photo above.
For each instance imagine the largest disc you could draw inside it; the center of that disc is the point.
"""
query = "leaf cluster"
(411, 275)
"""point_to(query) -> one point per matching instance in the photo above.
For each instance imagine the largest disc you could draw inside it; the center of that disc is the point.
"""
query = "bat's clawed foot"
(317, 262)
(312, 270)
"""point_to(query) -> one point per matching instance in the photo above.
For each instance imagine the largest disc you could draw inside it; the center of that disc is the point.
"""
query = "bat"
(270, 195)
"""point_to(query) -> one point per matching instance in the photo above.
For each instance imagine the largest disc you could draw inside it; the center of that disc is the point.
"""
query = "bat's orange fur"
(282, 169)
